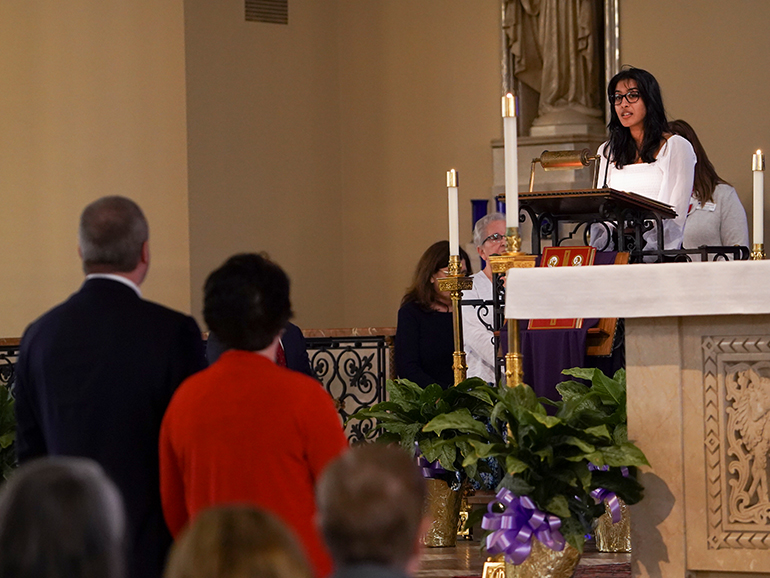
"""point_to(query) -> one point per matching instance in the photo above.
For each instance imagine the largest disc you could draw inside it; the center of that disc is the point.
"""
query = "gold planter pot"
(443, 506)
(543, 562)
(614, 537)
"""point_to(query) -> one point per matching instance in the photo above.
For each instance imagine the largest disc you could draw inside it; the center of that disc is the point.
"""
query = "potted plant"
(7, 432)
(442, 454)
(552, 464)
(602, 403)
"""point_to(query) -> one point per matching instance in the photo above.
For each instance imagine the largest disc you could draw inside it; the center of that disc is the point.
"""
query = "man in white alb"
(489, 238)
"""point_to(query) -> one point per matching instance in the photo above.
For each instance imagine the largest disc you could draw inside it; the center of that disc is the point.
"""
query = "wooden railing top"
(351, 332)
(336, 332)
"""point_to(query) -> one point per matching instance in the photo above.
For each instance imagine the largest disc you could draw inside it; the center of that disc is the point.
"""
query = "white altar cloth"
(640, 290)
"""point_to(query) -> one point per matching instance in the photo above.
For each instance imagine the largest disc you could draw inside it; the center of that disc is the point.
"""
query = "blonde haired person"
(236, 542)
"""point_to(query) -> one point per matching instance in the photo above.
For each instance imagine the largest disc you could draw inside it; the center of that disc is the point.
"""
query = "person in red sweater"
(246, 430)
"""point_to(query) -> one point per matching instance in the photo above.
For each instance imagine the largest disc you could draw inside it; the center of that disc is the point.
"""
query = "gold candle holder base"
(456, 283)
(512, 258)
(494, 567)
(757, 252)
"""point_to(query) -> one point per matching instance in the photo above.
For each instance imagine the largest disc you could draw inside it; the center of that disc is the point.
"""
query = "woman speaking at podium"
(643, 157)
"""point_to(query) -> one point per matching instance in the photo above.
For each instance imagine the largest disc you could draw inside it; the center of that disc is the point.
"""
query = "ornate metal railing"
(353, 365)
(9, 352)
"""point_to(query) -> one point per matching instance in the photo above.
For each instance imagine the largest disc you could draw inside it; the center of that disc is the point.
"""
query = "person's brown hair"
(706, 177)
(370, 506)
(422, 291)
(236, 542)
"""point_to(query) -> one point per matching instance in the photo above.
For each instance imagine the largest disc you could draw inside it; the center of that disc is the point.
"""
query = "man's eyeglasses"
(496, 238)
(631, 98)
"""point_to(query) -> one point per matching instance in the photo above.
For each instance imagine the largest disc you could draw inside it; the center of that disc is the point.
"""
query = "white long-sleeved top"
(668, 180)
(477, 339)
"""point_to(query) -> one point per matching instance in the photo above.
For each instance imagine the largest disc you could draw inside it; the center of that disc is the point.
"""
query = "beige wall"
(92, 103)
(326, 142)
(420, 94)
(263, 126)
(712, 60)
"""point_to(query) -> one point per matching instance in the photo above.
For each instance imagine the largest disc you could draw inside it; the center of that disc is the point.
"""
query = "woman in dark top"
(424, 340)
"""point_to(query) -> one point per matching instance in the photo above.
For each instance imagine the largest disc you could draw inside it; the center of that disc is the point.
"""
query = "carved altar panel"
(736, 382)
(697, 405)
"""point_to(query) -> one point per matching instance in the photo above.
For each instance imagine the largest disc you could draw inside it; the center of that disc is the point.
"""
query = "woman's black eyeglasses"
(631, 97)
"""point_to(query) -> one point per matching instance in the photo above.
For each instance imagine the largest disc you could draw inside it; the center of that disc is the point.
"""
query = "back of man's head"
(112, 233)
(246, 302)
(61, 516)
(370, 506)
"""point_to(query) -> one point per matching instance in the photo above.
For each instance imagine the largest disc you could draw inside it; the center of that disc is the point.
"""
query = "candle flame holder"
(456, 283)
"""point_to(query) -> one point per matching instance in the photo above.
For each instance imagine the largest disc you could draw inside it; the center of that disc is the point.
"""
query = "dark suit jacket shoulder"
(295, 348)
(94, 377)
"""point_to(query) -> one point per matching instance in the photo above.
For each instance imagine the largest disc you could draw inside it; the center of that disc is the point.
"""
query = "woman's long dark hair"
(422, 291)
(706, 177)
(622, 149)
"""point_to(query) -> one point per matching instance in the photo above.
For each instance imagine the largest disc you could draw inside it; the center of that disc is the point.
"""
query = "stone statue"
(750, 417)
(554, 49)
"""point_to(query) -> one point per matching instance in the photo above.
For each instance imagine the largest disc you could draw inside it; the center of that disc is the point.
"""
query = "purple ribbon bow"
(604, 495)
(513, 529)
(428, 469)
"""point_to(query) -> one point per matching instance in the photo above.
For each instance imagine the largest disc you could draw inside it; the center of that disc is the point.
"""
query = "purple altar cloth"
(547, 352)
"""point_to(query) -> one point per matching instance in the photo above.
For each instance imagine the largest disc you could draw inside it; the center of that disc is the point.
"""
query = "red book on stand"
(563, 257)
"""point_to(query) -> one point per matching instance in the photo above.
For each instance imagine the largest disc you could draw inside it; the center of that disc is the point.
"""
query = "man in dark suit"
(96, 373)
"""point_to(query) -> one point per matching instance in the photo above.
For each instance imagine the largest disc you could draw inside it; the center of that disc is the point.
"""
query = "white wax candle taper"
(452, 182)
(511, 162)
(758, 168)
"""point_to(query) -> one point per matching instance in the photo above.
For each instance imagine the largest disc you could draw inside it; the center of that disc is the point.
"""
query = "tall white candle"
(452, 182)
(758, 167)
(511, 162)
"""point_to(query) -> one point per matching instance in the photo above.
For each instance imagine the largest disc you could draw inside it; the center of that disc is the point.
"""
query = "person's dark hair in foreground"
(246, 302)
(370, 509)
(623, 149)
(61, 518)
(236, 542)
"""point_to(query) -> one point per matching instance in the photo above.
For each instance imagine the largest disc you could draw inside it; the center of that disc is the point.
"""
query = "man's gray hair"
(480, 229)
(112, 232)
(370, 502)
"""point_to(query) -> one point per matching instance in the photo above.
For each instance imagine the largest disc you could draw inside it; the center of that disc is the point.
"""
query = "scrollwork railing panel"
(9, 353)
(353, 369)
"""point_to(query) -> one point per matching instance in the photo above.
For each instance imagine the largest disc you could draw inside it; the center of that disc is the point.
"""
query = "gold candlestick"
(456, 283)
(513, 257)
(757, 252)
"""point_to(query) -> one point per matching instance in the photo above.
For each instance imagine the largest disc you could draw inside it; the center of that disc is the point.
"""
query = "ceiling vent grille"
(269, 11)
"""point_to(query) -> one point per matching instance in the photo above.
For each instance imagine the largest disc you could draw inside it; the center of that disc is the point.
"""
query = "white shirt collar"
(118, 278)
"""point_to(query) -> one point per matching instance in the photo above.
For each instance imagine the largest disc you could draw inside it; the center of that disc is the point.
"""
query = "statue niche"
(552, 59)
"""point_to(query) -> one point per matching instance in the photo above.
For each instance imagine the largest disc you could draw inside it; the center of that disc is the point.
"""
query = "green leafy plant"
(404, 418)
(547, 457)
(7, 432)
